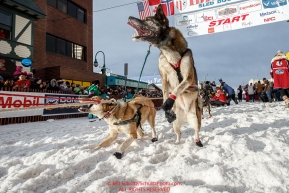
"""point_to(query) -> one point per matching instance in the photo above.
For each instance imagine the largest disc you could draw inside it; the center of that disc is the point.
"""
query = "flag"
(179, 4)
(168, 7)
(154, 5)
(143, 9)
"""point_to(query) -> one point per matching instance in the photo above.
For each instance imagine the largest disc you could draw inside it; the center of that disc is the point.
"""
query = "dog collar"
(165, 41)
(108, 113)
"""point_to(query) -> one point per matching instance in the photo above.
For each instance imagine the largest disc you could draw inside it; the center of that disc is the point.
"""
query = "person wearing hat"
(280, 73)
(219, 98)
(1, 82)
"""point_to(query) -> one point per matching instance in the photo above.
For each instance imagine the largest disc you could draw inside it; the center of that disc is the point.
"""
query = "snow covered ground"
(246, 149)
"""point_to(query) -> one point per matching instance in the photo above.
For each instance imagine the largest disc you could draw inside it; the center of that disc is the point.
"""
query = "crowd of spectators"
(23, 81)
(222, 94)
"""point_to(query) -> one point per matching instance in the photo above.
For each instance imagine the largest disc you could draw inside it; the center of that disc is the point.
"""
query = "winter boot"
(286, 99)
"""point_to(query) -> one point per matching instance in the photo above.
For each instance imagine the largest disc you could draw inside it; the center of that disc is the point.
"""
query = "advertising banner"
(185, 6)
(232, 17)
(24, 99)
(61, 99)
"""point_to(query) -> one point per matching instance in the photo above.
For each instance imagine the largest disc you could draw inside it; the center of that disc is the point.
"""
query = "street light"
(206, 76)
(103, 69)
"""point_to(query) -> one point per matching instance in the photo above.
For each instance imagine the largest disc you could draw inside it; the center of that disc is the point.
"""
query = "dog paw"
(168, 105)
(171, 116)
(118, 155)
(199, 143)
(154, 139)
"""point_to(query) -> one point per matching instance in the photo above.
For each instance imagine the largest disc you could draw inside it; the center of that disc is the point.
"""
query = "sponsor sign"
(269, 19)
(206, 16)
(227, 11)
(185, 19)
(235, 16)
(184, 6)
(61, 99)
(250, 6)
(17, 102)
(273, 3)
(262, 14)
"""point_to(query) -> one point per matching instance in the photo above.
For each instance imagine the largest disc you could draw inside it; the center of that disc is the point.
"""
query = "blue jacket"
(228, 89)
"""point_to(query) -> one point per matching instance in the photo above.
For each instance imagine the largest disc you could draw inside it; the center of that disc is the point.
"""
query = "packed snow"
(246, 149)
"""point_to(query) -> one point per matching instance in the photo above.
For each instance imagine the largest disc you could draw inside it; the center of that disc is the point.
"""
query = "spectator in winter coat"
(259, 88)
(128, 94)
(268, 87)
(229, 90)
(251, 92)
(9, 84)
(37, 84)
(93, 90)
(53, 85)
(78, 90)
(240, 92)
(280, 73)
(22, 83)
(18, 71)
(63, 87)
(219, 98)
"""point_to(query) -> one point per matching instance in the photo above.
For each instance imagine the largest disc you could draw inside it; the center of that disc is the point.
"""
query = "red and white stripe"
(146, 11)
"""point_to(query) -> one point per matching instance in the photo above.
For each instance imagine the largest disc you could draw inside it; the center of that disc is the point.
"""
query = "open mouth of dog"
(141, 30)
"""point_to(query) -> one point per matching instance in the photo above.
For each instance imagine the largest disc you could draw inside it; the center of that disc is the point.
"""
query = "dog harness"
(178, 69)
(136, 118)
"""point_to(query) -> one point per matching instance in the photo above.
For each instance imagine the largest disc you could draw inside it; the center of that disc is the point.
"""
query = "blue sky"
(235, 56)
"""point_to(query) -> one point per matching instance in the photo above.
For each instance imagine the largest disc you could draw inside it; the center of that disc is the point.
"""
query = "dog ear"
(160, 16)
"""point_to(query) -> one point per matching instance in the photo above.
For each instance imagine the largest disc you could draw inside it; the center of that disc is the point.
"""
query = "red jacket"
(280, 71)
(220, 96)
(23, 84)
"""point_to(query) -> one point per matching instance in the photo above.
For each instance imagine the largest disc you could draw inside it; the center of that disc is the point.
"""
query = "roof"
(26, 6)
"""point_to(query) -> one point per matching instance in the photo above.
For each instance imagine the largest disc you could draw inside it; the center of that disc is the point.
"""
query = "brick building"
(63, 44)
(16, 34)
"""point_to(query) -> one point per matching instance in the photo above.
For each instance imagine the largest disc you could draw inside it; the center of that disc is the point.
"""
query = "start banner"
(232, 17)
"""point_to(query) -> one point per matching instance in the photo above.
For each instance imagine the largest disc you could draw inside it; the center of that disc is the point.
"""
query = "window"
(62, 5)
(79, 52)
(52, 3)
(5, 24)
(50, 43)
(68, 7)
(60, 46)
(69, 49)
(63, 47)
(80, 14)
(71, 10)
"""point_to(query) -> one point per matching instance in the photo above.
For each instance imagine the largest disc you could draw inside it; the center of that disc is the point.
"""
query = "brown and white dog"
(176, 67)
(123, 117)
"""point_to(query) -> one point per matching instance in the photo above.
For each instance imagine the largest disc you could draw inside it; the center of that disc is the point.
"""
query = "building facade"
(16, 34)
(63, 42)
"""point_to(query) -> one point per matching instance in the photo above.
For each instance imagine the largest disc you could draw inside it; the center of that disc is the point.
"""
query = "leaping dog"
(177, 70)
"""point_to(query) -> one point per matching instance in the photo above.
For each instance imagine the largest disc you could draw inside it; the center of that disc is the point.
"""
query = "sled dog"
(204, 96)
(123, 117)
(177, 70)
